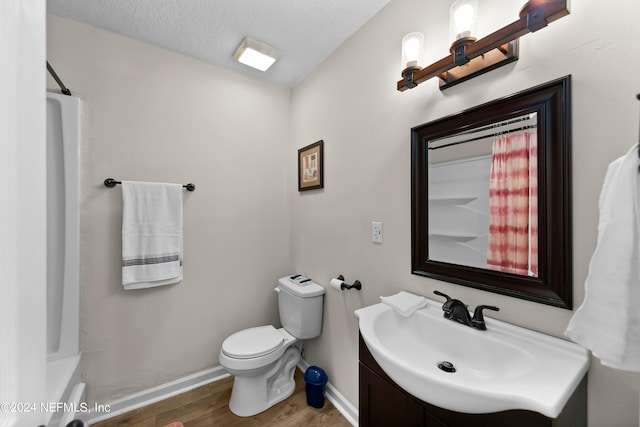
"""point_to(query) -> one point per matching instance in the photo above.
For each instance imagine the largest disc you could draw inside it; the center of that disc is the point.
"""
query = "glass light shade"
(256, 54)
(412, 50)
(256, 59)
(463, 19)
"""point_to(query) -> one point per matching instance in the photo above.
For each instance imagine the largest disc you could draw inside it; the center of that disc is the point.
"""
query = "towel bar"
(110, 182)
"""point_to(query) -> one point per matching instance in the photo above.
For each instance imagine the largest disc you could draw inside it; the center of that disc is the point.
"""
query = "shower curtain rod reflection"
(63, 88)
(485, 128)
(478, 138)
(110, 182)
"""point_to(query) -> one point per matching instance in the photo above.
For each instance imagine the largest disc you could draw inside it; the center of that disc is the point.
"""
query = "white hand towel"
(151, 234)
(608, 321)
(405, 303)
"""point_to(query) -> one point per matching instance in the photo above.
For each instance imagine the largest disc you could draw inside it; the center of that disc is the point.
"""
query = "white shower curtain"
(23, 208)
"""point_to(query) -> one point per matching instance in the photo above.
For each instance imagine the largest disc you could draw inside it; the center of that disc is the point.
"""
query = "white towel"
(608, 321)
(151, 234)
(405, 303)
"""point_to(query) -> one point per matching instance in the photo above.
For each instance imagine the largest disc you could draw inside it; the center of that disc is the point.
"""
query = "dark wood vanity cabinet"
(383, 404)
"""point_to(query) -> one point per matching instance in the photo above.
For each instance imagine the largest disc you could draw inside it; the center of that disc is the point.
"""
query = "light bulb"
(412, 49)
(462, 19)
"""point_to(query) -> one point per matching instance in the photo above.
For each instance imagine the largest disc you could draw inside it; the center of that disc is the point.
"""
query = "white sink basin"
(505, 367)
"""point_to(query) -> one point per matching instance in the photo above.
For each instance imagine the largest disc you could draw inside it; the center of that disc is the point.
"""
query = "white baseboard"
(336, 398)
(156, 394)
(182, 385)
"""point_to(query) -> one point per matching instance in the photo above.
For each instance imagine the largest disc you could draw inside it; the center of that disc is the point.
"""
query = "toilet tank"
(300, 304)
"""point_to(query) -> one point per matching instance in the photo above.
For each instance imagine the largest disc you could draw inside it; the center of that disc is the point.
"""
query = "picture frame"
(311, 166)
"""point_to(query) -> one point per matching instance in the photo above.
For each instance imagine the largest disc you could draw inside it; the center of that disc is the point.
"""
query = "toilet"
(263, 359)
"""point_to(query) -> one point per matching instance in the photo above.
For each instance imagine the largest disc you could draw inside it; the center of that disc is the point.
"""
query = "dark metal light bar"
(535, 14)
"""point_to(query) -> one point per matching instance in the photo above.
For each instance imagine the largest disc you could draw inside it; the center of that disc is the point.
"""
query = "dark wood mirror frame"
(554, 283)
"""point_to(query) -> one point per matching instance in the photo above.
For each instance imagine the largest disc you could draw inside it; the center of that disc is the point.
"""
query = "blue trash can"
(316, 380)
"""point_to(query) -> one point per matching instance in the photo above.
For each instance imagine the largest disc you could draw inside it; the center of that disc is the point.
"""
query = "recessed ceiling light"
(255, 54)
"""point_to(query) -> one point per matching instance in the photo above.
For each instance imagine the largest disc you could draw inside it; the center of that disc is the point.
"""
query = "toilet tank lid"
(300, 286)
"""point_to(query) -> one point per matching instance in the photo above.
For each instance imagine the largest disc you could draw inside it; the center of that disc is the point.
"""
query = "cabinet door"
(383, 405)
(431, 421)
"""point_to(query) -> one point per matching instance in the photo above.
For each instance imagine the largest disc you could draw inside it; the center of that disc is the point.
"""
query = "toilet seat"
(253, 342)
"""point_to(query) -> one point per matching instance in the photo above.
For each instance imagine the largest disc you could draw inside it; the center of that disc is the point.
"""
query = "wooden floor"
(209, 406)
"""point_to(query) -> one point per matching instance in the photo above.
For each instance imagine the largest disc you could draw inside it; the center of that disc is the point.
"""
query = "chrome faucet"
(456, 310)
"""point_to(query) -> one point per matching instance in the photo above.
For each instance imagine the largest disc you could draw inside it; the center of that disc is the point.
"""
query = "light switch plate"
(376, 232)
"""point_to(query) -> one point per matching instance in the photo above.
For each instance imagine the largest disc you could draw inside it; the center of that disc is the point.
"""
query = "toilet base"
(254, 394)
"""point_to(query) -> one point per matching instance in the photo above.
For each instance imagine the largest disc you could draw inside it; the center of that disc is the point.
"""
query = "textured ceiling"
(304, 31)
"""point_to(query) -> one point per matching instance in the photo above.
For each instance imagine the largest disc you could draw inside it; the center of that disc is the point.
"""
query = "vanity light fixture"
(256, 54)
(470, 57)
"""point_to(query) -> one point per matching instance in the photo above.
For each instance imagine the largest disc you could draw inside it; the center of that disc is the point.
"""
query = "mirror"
(491, 201)
(482, 200)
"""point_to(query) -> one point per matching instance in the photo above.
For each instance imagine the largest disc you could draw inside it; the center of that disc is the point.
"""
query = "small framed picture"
(310, 167)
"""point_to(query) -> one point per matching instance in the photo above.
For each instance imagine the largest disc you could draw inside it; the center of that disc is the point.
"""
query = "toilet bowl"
(263, 370)
(254, 349)
(263, 359)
